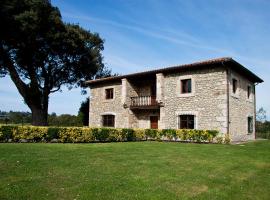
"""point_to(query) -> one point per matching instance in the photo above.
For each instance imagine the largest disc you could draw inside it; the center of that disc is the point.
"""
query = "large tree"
(41, 53)
(83, 113)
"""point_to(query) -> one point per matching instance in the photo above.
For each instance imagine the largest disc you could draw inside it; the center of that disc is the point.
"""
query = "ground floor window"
(186, 122)
(250, 124)
(108, 120)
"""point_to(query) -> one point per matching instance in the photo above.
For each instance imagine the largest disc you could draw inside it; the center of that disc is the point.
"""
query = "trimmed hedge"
(86, 134)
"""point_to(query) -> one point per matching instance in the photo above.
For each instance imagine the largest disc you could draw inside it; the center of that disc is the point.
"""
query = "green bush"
(85, 135)
(76, 134)
(227, 139)
(29, 133)
(182, 134)
(219, 139)
(128, 134)
(116, 135)
(265, 135)
(151, 133)
(170, 134)
(139, 134)
(6, 133)
(53, 133)
(103, 134)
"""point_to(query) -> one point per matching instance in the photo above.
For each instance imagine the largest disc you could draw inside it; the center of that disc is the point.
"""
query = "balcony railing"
(144, 102)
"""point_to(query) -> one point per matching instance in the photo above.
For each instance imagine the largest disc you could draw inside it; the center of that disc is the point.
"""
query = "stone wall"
(143, 117)
(99, 106)
(240, 108)
(207, 100)
(119, 105)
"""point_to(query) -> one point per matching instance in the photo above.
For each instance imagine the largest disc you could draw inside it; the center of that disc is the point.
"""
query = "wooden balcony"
(144, 102)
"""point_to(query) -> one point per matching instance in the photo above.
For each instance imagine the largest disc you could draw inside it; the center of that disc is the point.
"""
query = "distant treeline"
(24, 118)
(263, 129)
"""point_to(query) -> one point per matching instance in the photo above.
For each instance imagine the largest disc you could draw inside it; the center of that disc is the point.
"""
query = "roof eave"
(223, 61)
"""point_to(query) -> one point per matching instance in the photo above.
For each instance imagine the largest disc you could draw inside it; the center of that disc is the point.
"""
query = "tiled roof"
(226, 61)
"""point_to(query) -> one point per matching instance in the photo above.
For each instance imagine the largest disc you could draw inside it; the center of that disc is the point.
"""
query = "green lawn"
(135, 170)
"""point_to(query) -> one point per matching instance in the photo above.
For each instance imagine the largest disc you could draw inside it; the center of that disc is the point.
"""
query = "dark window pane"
(186, 122)
(248, 91)
(108, 120)
(109, 93)
(250, 124)
(189, 85)
(186, 86)
(234, 84)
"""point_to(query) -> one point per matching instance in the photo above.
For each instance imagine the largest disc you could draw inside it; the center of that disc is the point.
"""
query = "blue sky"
(146, 34)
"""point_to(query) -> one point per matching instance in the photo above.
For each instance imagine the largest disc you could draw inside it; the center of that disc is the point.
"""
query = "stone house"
(216, 94)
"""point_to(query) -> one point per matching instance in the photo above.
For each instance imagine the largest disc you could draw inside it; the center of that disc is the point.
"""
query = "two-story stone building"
(216, 94)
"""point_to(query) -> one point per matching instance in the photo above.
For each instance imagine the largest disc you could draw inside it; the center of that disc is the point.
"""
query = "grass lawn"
(135, 170)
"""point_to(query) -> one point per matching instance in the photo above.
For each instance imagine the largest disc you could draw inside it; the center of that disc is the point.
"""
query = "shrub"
(151, 133)
(181, 134)
(265, 134)
(139, 134)
(169, 133)
(30, 133)
(128, 134)
(83, 134)
(103, 134)
(219, 139)
(53, 133)
(76, 134)
(213, 133)
(95, 132)
(6, 132)
(227, 139)
(116, 135)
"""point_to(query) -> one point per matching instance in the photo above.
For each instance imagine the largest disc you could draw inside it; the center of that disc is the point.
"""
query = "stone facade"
(100, 106)
(207, 100)
(240, 108)
(212, 102)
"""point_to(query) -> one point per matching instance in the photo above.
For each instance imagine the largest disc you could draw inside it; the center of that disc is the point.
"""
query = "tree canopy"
(83, 113)
(41, 53)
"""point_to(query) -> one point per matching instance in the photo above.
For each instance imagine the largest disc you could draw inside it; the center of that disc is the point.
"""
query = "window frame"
(234, 85)
(250, 126)
(109, 93)
(186, 86)
(106, 120)
(187, 121)
(248, 91)
(178, 90)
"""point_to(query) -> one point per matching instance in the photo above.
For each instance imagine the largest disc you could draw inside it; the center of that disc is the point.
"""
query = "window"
(109, 93)
(186, 86)
(186, 122)
(234, 85)
(248, 91)
(108, 120)
(250, 124)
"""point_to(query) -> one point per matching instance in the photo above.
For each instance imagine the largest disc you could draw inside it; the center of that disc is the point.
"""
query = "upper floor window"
(186, 86)
(234, 85)
(186, 122)
(109, 93)
(248, 91)
(250, 124)
(108, 120)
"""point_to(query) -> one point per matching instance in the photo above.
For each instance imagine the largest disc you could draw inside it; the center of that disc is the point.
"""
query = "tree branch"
(21, 86)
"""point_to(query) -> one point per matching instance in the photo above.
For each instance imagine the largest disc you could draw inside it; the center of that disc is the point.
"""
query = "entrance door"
(154, 122)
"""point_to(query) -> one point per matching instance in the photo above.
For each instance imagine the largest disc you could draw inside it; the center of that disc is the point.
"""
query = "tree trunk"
(39, 117)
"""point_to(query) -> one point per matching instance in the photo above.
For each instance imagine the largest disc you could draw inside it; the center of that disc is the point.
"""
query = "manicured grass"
(135, 170)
